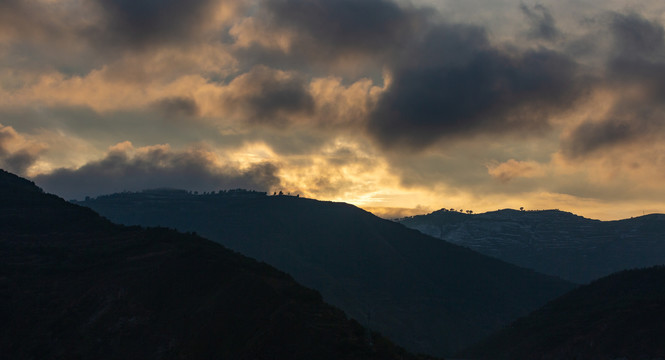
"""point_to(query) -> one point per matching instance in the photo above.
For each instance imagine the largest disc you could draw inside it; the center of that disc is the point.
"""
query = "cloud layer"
(455, 84)
(125, 168)
(636, 75)
(386, 103)
(16, 153)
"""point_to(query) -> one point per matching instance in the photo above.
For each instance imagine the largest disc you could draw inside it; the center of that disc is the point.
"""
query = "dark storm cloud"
(269, 97)
(590, 136)
(76, 37)
(19, 161)
(638, 53)
(454, 83)
(328, 32)
(177, 106)
(368, 25)
(637, 61)
(541, 21)
(636, 37)
(277, 97)
(638, 56)
(447, 80)
(138, 23)
(157, 167)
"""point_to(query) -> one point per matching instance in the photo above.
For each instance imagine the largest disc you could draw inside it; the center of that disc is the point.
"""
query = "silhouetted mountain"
(553, 242)
(75, 286)
(425, 294)
(621, 316)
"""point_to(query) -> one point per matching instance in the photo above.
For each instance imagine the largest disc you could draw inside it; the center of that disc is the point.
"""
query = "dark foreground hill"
(75, 286)
(553, 242)
(425, 294)
(621, 316)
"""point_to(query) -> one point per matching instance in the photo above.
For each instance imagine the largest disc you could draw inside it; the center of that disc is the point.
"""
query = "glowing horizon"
(401, 107)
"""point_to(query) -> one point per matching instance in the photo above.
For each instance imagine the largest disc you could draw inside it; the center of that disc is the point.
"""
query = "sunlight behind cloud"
(422, 105)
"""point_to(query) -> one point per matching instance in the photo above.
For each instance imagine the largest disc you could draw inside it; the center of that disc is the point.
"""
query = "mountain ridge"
(427, 295)
(75, 286)
(552, 242)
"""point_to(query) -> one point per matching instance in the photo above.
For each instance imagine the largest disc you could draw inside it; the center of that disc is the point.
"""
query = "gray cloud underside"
(625, 127)
(454, 83)
(118, 27)
(637, 61)
(541, 21)
(449, 81)
(324, 33)
(347, 25)
(177, 107)
(150, 22)
(273, 98)
(120, 171)
(17, 161)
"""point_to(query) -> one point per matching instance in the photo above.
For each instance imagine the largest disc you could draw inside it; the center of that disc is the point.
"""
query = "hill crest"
(430, 296)
(73, 285)
(552, 241)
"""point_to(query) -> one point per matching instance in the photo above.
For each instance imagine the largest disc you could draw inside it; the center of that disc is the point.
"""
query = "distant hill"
(75, 286)
(427, 295)
(621, 316)
(553, 242)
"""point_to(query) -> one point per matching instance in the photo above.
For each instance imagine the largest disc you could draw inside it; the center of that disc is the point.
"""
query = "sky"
(399, 107)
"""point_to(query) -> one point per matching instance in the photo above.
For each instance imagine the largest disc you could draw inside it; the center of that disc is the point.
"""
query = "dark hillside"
(74, 286)
(427, 295)
(621, 316)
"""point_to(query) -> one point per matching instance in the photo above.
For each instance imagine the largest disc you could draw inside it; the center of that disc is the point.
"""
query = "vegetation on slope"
(621, 316)
(427, 295)
(75, 286)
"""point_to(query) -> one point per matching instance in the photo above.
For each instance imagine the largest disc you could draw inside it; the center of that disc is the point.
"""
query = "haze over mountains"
(553, 242)
(426, 294)
(75, 286)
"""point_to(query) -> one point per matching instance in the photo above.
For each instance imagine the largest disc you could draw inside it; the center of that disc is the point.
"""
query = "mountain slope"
(553, 242)
(621, 316)
(427, 295)
(75, 286)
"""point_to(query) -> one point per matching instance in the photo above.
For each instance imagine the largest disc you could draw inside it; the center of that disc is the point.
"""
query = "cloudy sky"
(400, 107)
